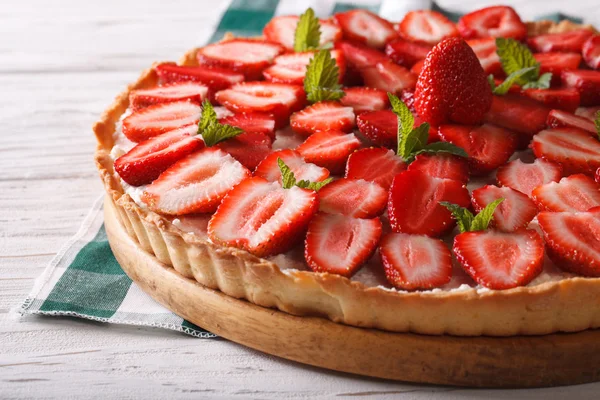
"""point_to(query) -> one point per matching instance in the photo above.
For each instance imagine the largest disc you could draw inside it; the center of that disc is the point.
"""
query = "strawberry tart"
(412, 176)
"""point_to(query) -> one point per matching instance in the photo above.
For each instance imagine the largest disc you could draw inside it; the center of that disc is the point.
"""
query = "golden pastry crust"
(568, 305)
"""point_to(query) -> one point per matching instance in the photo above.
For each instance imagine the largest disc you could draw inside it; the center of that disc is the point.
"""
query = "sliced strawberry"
(526, 177)
(496, 21)
(363, 99)
(598, 175)
(415, 261)
(262, 218)
(381, 127)
(573, 240)
(566, 41)
(414, 203)
(575, 150)
(365, 27)
(282, 30)
(426, 26)
(291, 67)
(159, 118)
(359, 56)
(591, 51)
(195, 184)
(387, 75)
(408, 97)
(560, 119)
(269, 169)
(519, 114)
(418, 67)
(406, 53)
(566, 99)
(557, 62)
(485, 50)
(574, 193)
(586, 82)
(329, 149)
(588, 112)
(274, 98)
(252, 123)
(249, 148)
(323, 116)
(442, 165)
(146, 161)
(499, 260)
(488, 146)
(374, 165)
(355, 198)
(179, 91)
(515, 212)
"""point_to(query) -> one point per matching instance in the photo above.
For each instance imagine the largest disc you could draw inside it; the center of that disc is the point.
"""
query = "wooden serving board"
(521, 361)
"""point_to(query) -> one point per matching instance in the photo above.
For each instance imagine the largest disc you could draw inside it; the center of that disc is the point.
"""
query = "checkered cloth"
(84, 279)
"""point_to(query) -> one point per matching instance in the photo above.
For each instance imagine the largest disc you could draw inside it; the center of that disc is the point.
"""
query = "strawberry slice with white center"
(566, 99)
(591, 52)
(500, 260)
(252, 123)
(363, 99)
(575, 150)
(329, 149)
(526, 177)
(146, 161)
(556, 62)
(182, 91)
(278, 99)
(195, 184)
(488, 146)
(485, 50)
(269, 169)
(291, 68)
(586, 82)
(340, 245)
(282, 30)
(365, 27)
(359, 56)
(426, 26)
(160, 118)
(561, 119)
(323, 116)
(565, 41)
(249, 148)
(573, 240)
(496, 21)
(415, 261)
(414, 203)
(387, 75)
(442, 165)
(515, 212)
(374, 165)
(406, 53)
(247, 56)
(574, 193)
(261, 217)
(355, 198)
(588, 112)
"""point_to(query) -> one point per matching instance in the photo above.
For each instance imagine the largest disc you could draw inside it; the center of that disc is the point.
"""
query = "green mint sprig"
(322, 78)
(467, 222)
(308, 32)
(288, 180)
(211, 130)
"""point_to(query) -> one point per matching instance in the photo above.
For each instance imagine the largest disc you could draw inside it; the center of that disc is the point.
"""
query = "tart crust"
(568, 305)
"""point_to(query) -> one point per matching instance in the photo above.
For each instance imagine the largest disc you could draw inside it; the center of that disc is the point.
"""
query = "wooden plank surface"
(61, 63)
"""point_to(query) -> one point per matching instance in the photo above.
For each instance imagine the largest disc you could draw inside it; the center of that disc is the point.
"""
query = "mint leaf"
(211, 130)
(208, 117)
(492, 82)
(414, 142)
(287, 176)
(464, 218)
(483, 219)
(510, 80)
(406, 120)
(444, 147)
(308, 32)
(515, 56)
(316, 186)
(542, 83)
(597, 124)
(321, 80)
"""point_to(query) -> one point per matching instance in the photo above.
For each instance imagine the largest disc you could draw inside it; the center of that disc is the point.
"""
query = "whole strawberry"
(452, 85)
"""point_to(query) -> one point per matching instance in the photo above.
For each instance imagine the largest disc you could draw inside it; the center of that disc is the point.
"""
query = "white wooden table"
(61, 63)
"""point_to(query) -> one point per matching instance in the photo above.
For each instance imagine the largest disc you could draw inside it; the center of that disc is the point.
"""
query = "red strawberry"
(262, 218)
(179, 91)
(195, 184)
(557, 62)
(275, 98)
(252, 123)
(591, 51)
(387, 75)
(323, 116)
(519, 114)
(566, 41)
(408, 97)
(282, 30)
(329, 149)
(588, 112)
(146, 161)
(575, 193)
(426, 26)
(291, 67)
(442, 165)
(269, 169)
(586, 82)
(415, 261)
(418, 67)
(406, 53)
(560, 119)
(575, 150)
(485, 50)
(338, 244)
(355, 198)
(452, 85)
(365, 27)
(598, 175)
(566, 99)
(488, 146)
(526, 177)
(515, 212)
(414, 203)
(359, 56)
(497, 21)
(374, 165)
(159, 118)
(499, 260)
(249, 148)
(381, 127)
(365, 99)
(573, 240)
